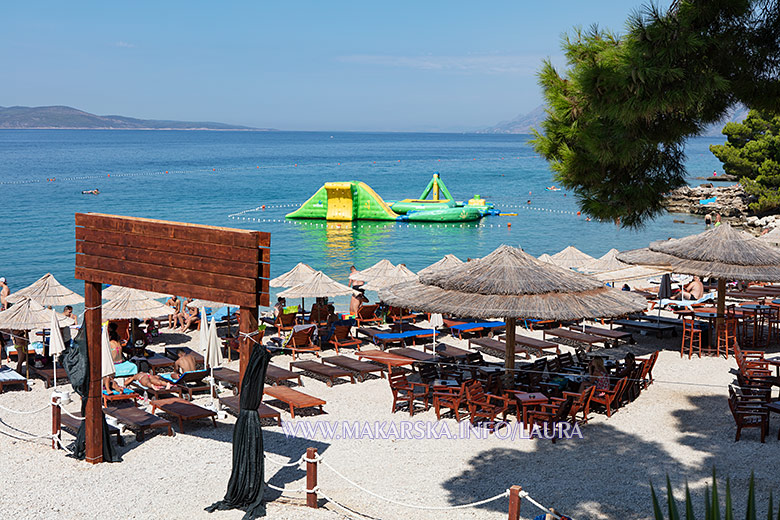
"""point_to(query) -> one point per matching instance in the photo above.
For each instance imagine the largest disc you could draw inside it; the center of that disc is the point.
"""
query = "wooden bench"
(534, 346)
(361, 367)
(277, 374)
(646, 326)
(72, 425)
(495, 347)
(183, 410)
(139, 420)
(615, 335)
(294, 399)
(331, 373)
(233, 403)
(576, 337)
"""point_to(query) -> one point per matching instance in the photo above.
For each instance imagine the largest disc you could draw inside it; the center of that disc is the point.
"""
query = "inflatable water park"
(355, 200)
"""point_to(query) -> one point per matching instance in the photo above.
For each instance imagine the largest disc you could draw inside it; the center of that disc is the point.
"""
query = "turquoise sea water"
(215, 174)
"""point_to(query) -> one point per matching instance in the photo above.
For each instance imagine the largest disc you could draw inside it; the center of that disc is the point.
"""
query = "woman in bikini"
(149, 381)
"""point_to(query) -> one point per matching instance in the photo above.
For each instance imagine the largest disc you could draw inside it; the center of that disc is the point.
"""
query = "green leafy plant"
(712, 506)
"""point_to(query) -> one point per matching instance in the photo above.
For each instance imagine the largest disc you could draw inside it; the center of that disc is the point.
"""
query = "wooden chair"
(606, 398)
(565, 361)
(449, 397)
(482, 404)
(405, 391)
(647, 373)
(554, 413)
(366, 315)
(727, 336)
(691, 335)
(427, 371)
(286, 322)
(580, 403)
(301, 341)
(748, 415)
(398, 315)
(342, 337)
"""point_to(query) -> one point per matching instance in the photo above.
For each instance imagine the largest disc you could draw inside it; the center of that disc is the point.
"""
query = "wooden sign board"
(204, 262)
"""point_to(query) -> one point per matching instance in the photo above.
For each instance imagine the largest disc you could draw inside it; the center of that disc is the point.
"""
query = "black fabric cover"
(75, 360)
(247, 480)
(665, 288)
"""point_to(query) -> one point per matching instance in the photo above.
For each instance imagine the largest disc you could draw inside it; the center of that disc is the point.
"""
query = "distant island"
(62, 117)
(523, 123)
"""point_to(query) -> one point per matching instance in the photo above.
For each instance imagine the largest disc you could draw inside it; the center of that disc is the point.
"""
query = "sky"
(304, 65)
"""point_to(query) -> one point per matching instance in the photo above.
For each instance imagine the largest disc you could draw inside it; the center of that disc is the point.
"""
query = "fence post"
(311, 477)
(55, 421)
(514, 502)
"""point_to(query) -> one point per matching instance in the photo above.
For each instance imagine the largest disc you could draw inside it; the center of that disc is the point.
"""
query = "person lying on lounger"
(185, 363)
(110, 384)
(149, 380)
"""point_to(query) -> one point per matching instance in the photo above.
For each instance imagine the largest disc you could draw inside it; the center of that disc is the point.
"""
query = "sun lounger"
(173, 353)
(183, 410)
(361, 367)
(385, 358)
(659, 328)
(277, 374)
(190, 382)
(615, 335)
(445, 350)
(576, 337)
(72, 425)
(156, 394)
(294, 399)
(329, 372)
(47, 375)
(231, 378)
(496, 348)
(116, 395)
(382, 337)
(10, 377)
(414, 354)
(536, 347)
(475, 327)
(232, 403)
(138, 420)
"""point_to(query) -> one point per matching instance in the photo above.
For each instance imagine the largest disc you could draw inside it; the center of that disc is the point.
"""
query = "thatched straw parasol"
(511, 284)
(113, 292)
(318, 285)
(378, 269)
(129, 305)
(544, 257)
(47, 291)
(721, 252)
(295, 276)
(197, 304)
(772, 238)
(448, 262)
(608, 262)
(571, 258)
(27, 314)
(629, 273)
(396, 275)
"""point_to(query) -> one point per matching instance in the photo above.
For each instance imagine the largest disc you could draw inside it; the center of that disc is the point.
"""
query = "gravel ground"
(680, 426)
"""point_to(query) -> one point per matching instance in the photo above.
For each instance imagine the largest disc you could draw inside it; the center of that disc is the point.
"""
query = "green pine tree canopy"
(752, 153)
(618, 119)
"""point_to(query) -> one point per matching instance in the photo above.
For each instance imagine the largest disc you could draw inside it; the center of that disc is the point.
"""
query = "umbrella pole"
(721, 305)
(509, 361)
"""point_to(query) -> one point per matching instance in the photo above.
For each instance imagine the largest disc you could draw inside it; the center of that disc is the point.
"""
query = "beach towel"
(170, 378)
(125, 369)
(687, 303)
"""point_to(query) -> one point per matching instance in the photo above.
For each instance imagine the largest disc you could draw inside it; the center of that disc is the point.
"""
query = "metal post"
(311, 478)
(93, 417)
(514, 502)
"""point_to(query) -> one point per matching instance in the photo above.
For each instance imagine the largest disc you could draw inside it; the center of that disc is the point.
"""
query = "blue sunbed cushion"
(479, 325)
(125, 391)
(170, 378)
(407, 334)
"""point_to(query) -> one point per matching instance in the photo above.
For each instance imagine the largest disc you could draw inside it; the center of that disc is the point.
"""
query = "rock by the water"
(730, 201)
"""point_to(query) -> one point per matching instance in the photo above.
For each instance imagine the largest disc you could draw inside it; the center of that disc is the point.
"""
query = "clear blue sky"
(302, 65)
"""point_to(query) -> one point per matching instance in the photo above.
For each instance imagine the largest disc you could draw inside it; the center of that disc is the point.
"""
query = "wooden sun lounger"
(277, 374)
(10, 377)
(361, 367)
(535, 346)
(385, 358)
(445, 350)
(156, 394)
(414, 354)
(183, 410)
(615, 335)
(477, 327)
(577, 337)
(386, 338)
(233, 403)
(659, 328)
(72, 425)
(47, 375)
(173, 353)
(191, 382)
(136, 419)
(496, 347)
(294, 399)
(157, 362)
(323, 370)
(230, 377)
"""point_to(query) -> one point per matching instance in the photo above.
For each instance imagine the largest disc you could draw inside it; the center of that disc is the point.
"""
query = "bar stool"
(690, 334)
(727, 336)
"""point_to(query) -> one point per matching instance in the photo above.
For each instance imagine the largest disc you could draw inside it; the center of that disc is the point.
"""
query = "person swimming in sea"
(91, 192)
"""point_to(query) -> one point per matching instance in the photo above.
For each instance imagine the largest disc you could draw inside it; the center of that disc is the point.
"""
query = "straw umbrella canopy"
(512, 284)
(47, 291)
(396, 275)
(198, 304)
(380, 268)
(295, 276)
(113, 292)
(132, 305)
(772, 238)
(571, 257)
(544, 257)
(27, 314)
(721, 252)
(608, 262)
(318, 285)
(629, 273)
(448, 262)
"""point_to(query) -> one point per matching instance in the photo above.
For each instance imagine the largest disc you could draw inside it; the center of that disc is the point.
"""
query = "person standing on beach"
(707, 220)
(717, 219)
(4, 292)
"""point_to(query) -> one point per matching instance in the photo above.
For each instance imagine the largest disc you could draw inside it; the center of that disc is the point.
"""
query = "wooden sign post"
(205, 262)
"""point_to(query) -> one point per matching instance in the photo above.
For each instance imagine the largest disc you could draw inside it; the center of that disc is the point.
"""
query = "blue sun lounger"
(458, 330)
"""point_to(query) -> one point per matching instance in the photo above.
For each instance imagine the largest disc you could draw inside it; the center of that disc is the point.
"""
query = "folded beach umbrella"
(449, 261)
(203, 342)
(213, 356)
(295, 276)
(131, 304)
(113, 292)
(396, 275)
(106, 361)
(47, 291)
(318, 285)
(56, 343)
(378, 269)
(571, 258)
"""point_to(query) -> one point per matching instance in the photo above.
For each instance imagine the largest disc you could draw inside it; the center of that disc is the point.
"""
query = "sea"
(251, 180)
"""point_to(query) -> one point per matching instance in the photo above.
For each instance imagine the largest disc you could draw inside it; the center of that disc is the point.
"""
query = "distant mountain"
(523, 123)
(71, 118)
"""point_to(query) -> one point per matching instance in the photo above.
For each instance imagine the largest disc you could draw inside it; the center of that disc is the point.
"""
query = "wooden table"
(385, 358)
(293, 398)
(183, 410)
(526, 400)
(757, 311)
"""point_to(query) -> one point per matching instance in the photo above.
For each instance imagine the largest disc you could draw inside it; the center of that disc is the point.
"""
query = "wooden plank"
(169, 245)
(169, 287)
(146, 256)
(93, 426)
(171, 274)
(174, 230)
